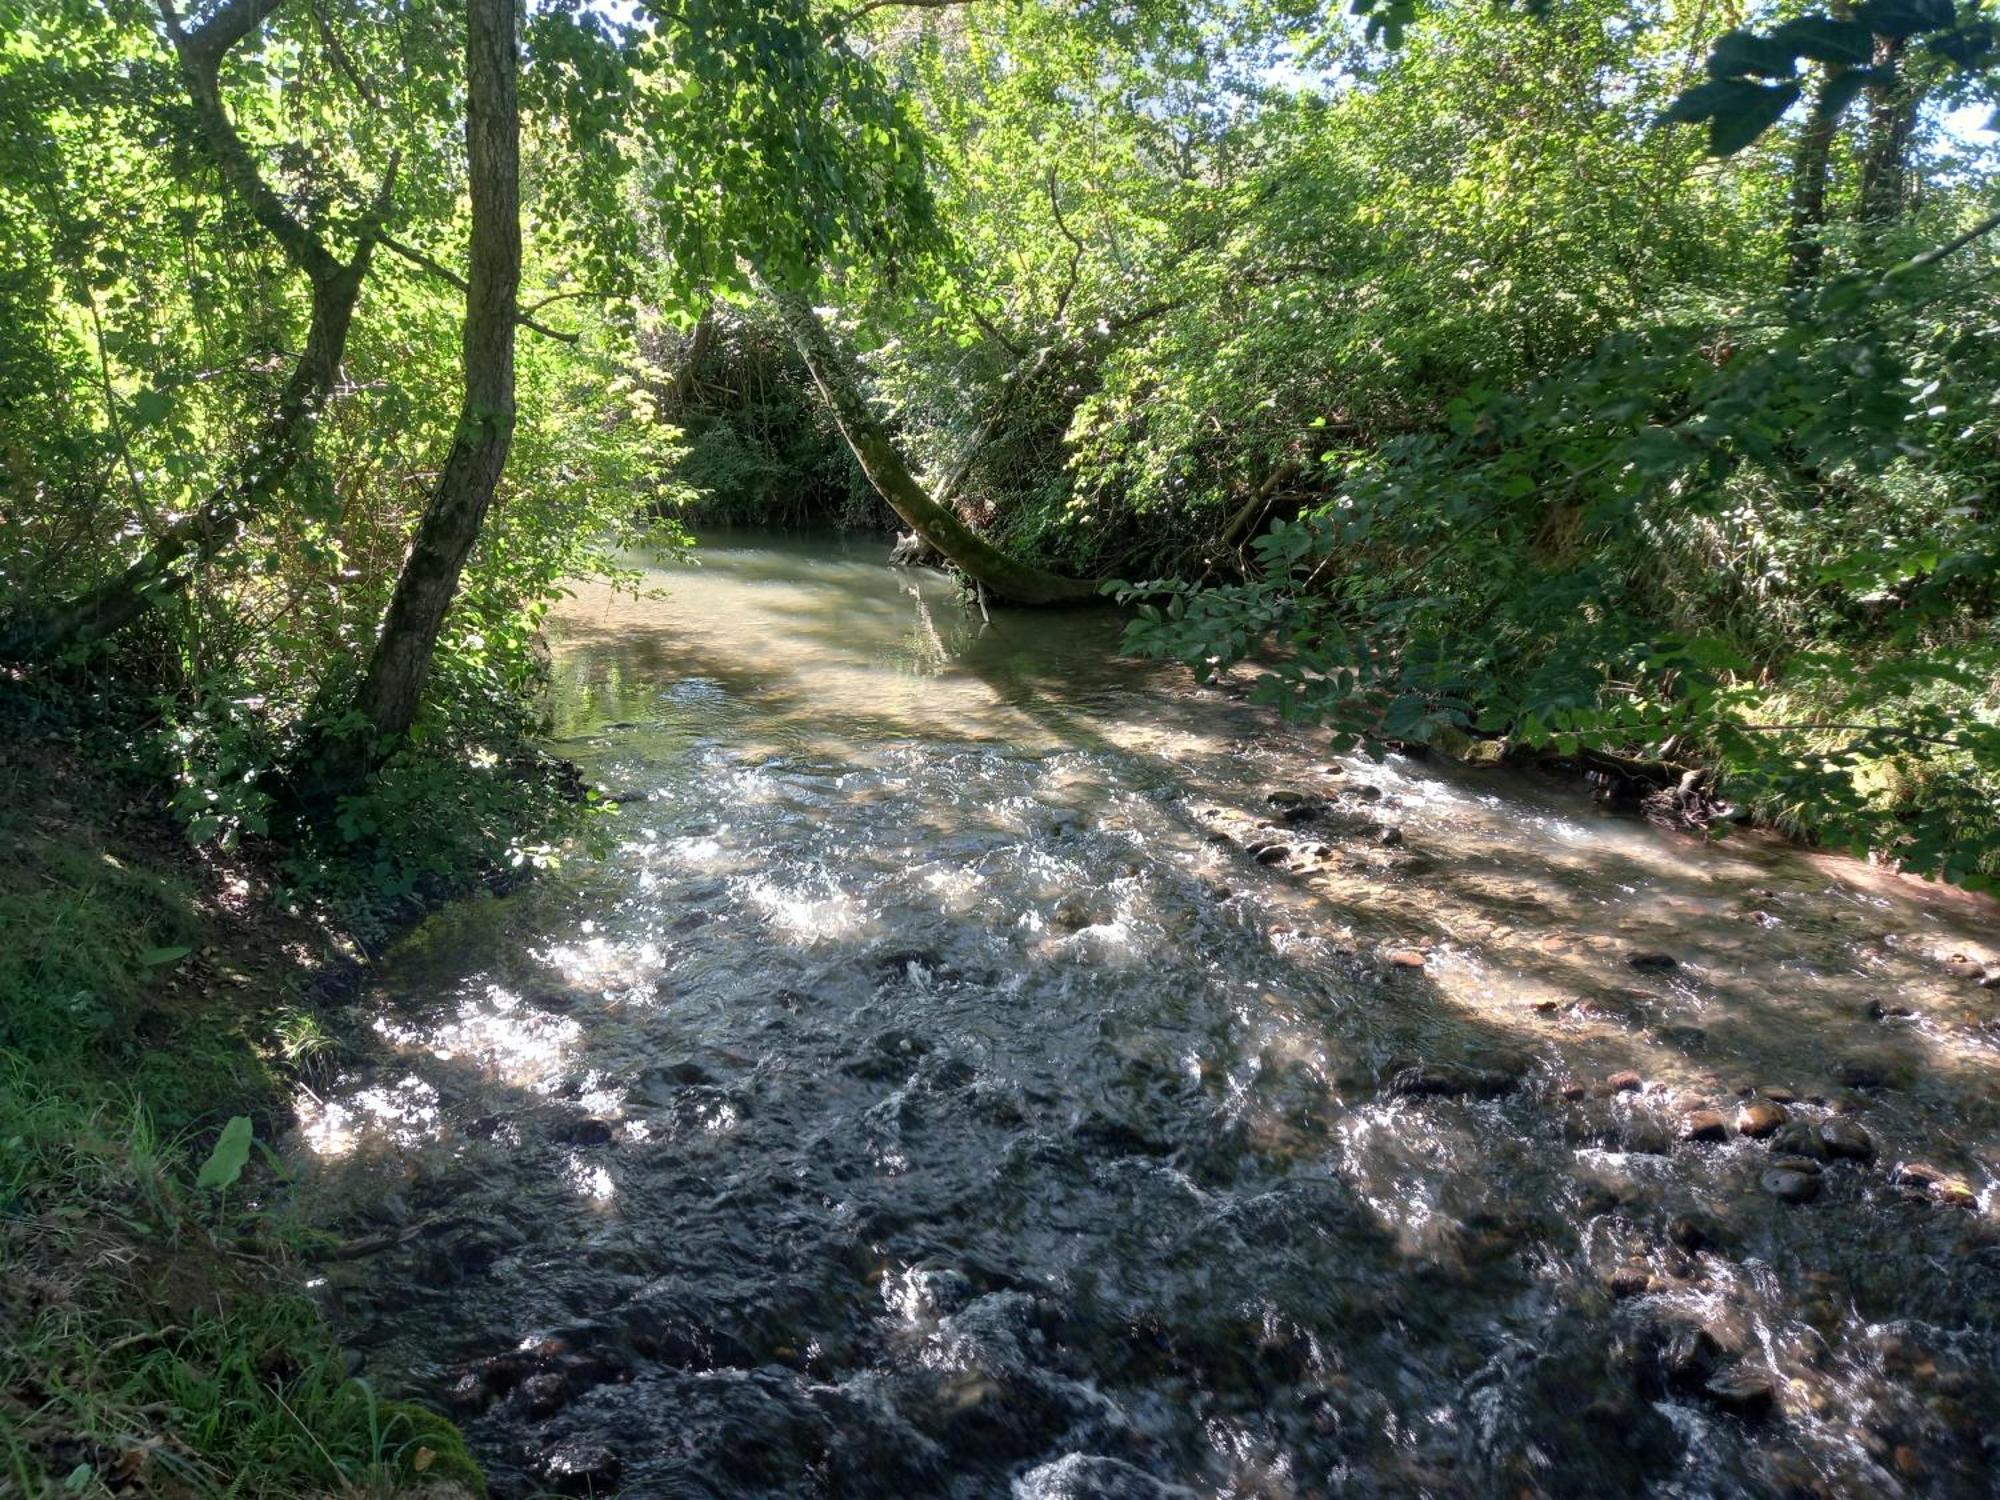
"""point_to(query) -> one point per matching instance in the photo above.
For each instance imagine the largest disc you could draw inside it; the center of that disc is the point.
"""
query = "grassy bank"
(154, 1337)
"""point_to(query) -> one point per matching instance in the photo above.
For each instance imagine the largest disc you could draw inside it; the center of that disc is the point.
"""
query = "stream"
(989, 1067)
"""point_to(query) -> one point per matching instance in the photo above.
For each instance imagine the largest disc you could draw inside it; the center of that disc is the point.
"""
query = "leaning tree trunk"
(1008, 577)
(283, 440)
(166, 567)
(394, 683)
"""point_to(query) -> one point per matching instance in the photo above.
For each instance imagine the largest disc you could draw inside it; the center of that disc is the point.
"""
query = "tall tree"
(393, 685)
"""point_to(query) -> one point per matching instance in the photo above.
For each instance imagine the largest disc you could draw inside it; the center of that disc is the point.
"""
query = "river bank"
(945, 1089)
(155, 1334)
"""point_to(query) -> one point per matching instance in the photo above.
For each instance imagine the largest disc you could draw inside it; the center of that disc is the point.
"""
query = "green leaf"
(1823, 39)
(1738, 52)
(1737, 110)
(232, 1149)
(1903, 18)
(152, 958)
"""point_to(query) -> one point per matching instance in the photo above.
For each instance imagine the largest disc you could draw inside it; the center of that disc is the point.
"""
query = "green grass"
(154, 1337)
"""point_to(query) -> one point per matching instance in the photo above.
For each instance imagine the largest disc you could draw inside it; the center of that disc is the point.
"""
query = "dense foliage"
(1563, 421)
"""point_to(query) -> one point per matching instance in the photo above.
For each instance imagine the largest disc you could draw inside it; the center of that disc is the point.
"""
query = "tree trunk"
(185, 546)
(1809, 173)
(1892, 121)
(283, 440)
(1008, 578)
(394, 683)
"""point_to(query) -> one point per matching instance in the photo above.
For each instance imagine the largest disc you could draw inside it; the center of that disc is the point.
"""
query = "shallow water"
(934, 1095)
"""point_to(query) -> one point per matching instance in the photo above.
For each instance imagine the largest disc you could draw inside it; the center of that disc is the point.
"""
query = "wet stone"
(1690, 1357)
(1790, 1185)
(1844, 1139)
(1627, 1082)
(1867, 1073)
(1761, 1117)
(1452, 1080)
(1652, 962)
(1940, 1185)
(1738, 1389)
(1404, 958)
(1071, 914)
(1643, 1136)
(1690, 1233)
(581, 1468)
(587, 1130)
(1704, 1125)
(545, 1393)
(1799, 1138)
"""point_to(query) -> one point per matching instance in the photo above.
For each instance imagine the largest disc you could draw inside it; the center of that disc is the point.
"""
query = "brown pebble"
(1704, 1125)
(1404, 958)
(1761, 1117)
(1627, 1082)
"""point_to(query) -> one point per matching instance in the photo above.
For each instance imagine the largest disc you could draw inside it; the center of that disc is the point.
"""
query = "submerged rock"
(581, 1468)
(1868, 1073)
(1744, 1391)
(1629, 1281)
(1451, 1081)
(1799, 1138)
(1845, 1139)
(1654, 962)
(1790, 1185)
(1939, 1184)
(1644, 1136)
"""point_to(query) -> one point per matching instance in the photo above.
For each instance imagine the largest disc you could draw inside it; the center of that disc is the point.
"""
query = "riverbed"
(989, 1066)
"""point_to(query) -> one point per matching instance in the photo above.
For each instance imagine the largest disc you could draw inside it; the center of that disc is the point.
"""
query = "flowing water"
(963, 1080)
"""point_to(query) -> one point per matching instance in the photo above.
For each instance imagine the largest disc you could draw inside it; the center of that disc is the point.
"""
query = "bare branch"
(341, 60)
(1950, 247)
(201, 52)
(1075, 254)
(450, 277)
(874, 5)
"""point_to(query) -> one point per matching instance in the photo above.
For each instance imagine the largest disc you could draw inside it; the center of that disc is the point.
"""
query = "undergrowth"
(154, 1335)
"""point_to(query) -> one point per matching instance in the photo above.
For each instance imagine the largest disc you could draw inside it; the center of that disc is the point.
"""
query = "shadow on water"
(939, 1093)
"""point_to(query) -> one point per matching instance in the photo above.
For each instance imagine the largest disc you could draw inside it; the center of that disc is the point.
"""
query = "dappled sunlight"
(497, 1031)
(1095, 1045)
(399, 1114)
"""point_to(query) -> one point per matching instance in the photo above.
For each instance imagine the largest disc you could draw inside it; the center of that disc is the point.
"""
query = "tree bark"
(1007, 577)
(1892, 121)
(1809, 174)
(283, 440)
(393, 685)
